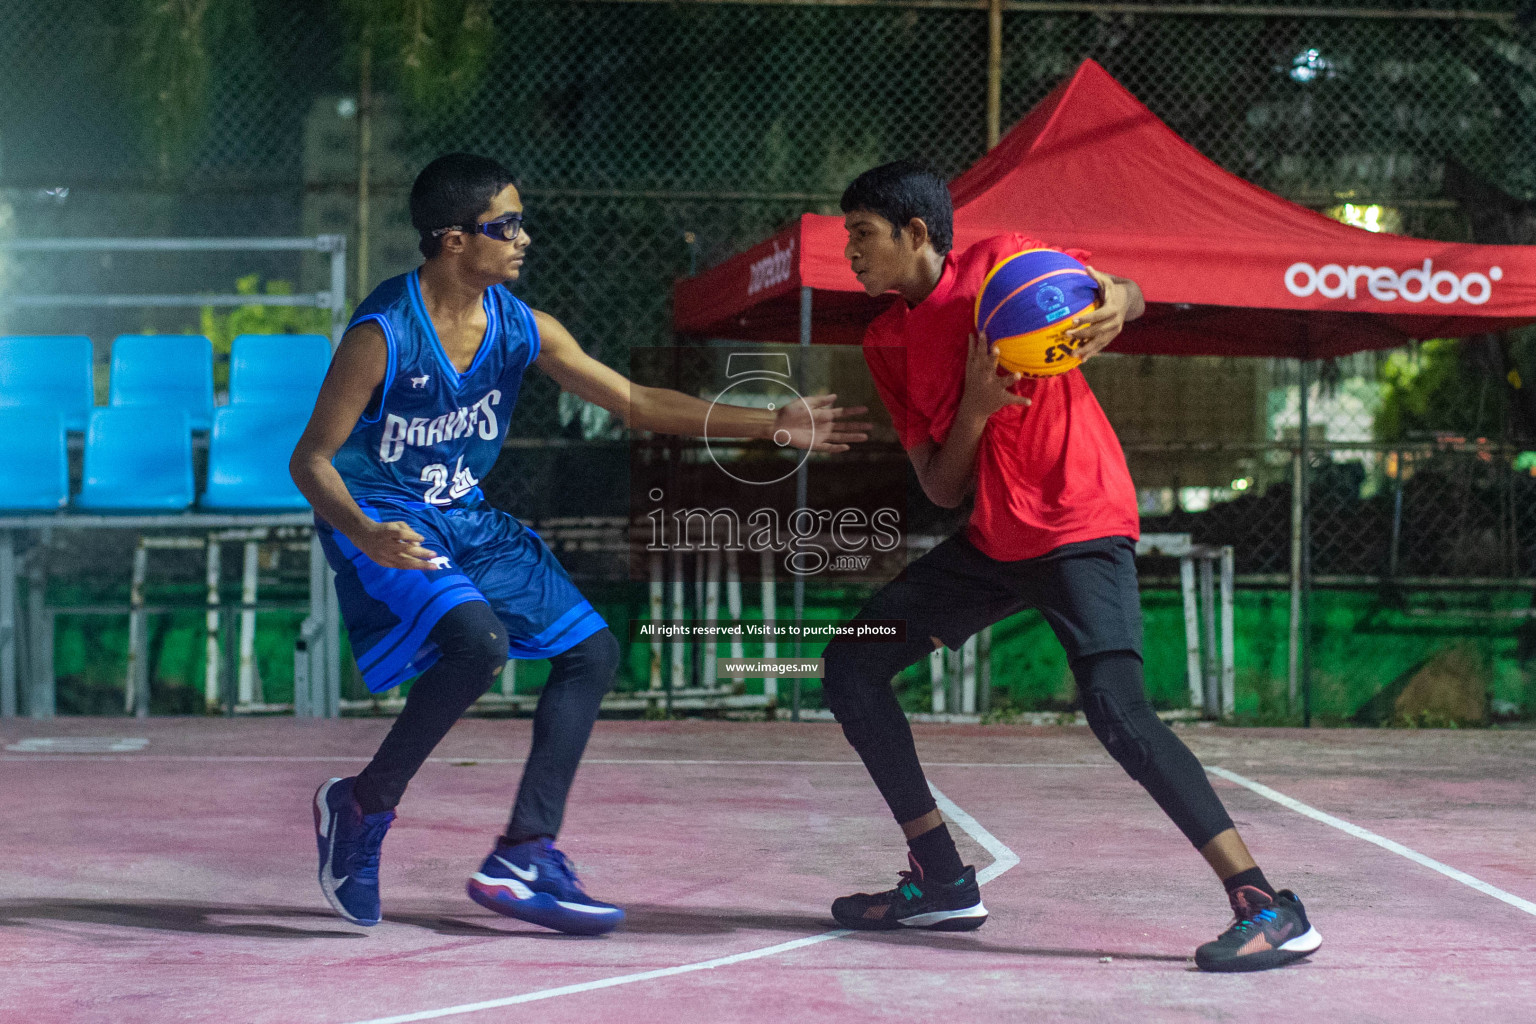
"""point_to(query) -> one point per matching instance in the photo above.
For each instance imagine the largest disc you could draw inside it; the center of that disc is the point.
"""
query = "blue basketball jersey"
(433, 433)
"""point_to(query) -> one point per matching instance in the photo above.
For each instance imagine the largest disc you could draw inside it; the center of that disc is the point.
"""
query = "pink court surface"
(174, 879)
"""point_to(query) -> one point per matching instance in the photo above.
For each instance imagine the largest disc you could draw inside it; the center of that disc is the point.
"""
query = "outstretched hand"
(819, 425)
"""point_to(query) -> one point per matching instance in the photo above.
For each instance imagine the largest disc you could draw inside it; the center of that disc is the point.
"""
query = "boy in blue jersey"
(435, 584)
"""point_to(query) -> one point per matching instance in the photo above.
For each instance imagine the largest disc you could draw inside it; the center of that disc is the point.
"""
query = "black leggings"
(473, 647)
(857, 688)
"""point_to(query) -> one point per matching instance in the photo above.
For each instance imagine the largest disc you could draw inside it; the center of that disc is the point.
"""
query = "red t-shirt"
(1047, 474)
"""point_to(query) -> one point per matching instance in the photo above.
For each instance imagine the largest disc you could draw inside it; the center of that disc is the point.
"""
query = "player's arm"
(1121, 302)
(817, 424)
(356, 371)
(947, 471)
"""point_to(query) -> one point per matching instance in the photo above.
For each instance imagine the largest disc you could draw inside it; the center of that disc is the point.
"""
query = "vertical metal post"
(338, 249)
(332, 647)
(936, 681)
(770, 598)
(984, 671)
(309, 696)
(711, 616)
(1397, 514)
(135, 700)
(7, 624)
(802, 484)
(1208, 635)
(696, 613)
(211, 653)
(1228, 637)
(968, 676)
(679, 614)
(509, 678)
(301, 691)
(994, 72)
(323, 640)
(364, 149)
(1191, 632)
(1293, 645)
(658, 614)
(733, 606)
(231, 669)
(250, 685)
(952, 678)
(40, 694)
(1305, 485)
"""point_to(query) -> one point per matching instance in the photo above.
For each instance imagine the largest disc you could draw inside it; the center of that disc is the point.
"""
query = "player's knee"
(1115, 704)
(1117, 727)
(473, 640)
(483, 653)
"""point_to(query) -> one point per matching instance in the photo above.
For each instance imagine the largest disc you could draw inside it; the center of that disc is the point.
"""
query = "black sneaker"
(1267, 933)
(915, 903)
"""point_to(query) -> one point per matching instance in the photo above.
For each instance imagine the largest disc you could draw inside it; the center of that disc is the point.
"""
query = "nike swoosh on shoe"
(527, 875)
(585, 909)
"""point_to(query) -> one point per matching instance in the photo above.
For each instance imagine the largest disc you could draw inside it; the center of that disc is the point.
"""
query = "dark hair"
(902, 190)
(451, 190)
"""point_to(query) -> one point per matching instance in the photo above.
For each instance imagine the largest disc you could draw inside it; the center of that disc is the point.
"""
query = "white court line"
(1005, 859)
(1002, 857)
(467, 760)
(1371, 837)
(623, 979)
(930, 764)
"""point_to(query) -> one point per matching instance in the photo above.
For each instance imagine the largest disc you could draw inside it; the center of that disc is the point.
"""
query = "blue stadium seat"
(174, 370)
(278, 368)
(248, 453)
(34, 463)
(138, 458)
(52, 370)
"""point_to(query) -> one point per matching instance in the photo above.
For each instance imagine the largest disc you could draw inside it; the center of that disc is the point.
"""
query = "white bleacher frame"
(317, 683)
(318, 651)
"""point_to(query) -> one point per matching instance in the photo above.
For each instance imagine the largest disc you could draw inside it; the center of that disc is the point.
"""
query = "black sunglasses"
(503, 229)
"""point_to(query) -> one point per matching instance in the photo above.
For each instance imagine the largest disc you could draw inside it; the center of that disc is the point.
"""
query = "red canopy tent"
(1227, 268)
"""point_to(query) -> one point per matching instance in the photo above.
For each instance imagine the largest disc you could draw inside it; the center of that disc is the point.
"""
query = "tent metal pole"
(1293, 644)
(1305, 486)
(802, 476)
(994, 72)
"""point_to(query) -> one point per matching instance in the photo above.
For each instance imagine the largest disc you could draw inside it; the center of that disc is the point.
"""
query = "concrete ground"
(174, 879)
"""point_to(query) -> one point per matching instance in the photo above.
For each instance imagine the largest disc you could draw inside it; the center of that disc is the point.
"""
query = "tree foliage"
(172, 46)
(437, 51)
(1471, 388)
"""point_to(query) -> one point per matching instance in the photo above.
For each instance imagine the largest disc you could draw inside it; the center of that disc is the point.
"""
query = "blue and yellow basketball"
(1025, 308)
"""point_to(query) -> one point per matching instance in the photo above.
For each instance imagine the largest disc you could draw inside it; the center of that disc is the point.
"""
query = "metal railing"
(334, 299)
(29, 663)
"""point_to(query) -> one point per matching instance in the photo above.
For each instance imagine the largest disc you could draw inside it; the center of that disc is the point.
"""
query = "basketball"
(1025, 308)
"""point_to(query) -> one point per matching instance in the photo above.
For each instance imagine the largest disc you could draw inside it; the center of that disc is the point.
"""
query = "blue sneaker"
(349, 842)
(534, 882)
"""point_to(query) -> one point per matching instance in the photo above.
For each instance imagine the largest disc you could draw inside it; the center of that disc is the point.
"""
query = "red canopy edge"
(1227, 268)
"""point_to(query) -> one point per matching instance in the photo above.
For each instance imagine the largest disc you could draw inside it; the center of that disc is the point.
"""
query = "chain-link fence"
(656, 138)
(1420, 461)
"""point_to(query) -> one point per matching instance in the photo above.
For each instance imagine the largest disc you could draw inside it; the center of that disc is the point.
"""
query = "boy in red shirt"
(1053, 528)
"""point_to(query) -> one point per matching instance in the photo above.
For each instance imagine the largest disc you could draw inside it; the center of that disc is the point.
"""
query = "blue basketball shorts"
(490, 556)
